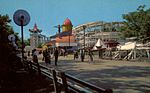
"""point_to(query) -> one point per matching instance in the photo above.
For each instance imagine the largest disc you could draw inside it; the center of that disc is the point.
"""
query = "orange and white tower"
(65, 38)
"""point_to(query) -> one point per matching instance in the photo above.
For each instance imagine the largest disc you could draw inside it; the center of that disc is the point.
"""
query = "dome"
(67, 22)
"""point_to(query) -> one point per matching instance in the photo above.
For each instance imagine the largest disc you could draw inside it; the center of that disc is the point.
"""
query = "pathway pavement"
(121, 76)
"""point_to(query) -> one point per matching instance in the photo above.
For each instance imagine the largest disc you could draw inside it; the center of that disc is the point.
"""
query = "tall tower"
(34, 36)
(67, 25)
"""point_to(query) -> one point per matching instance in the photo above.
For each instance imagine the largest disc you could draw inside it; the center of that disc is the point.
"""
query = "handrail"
(65, 79)
(84, 83)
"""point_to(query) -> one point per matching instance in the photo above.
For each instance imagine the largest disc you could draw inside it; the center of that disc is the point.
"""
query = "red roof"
(67, 22)
(51, 43)
(35, 27)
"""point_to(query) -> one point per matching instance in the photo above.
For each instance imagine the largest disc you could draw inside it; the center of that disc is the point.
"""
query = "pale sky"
(49, 13)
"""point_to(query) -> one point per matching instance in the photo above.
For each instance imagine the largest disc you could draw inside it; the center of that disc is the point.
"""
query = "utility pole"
(84, 27)
(69, 39)
(22, 48)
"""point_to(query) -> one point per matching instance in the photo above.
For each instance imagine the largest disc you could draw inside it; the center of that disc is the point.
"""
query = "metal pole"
(69, 39)
(22, 37)
(84, 41)
(84, 35)
(70, 33)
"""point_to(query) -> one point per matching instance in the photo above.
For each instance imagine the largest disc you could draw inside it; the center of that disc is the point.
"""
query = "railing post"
(39, 70)
(30, 67)
(25, 65)
(64, 81)
(55, 81)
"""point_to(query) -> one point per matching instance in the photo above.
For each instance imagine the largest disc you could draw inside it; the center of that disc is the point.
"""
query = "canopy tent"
(99, 43)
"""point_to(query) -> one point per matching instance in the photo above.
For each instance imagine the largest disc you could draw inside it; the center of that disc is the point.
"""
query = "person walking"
(35, 59)
(34, 55)
(82, 55)
(44, 54)
(28, 53)
(90, 55)
(75, 55)
(56, 56)
(47, 57)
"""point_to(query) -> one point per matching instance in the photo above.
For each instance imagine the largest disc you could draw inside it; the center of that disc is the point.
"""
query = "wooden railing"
(63, 81)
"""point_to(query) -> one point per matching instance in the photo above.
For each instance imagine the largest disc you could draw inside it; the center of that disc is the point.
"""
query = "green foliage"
(5, 30)
(8, 59)
(27, 42)
(137, 24)
(40, 45)
(19, 42)
(4, 23)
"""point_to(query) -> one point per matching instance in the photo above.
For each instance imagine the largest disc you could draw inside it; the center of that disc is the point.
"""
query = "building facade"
(63, 39)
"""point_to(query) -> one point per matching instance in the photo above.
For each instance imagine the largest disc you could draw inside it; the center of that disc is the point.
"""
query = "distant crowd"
(48, 54)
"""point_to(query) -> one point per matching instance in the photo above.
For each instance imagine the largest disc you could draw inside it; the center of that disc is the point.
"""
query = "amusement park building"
(87, 34)
(36, 38)
(63, 39)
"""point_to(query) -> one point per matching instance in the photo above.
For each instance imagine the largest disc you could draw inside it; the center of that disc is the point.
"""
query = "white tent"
(127, 46)
(98, 44)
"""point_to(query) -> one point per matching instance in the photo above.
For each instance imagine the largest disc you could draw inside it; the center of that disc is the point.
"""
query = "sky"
(49, 13)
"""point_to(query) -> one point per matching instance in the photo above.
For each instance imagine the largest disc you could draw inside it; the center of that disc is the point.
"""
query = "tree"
(5, 48)
(27, 42)
(5, 31)
(9, 61)
(40, 45)
(137, 24)
(4, 28)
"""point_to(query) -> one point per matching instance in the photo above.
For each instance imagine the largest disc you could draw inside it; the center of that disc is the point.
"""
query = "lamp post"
(69, 39)
(22, 48)
(84, 27)
(70, 33)
(21, 18)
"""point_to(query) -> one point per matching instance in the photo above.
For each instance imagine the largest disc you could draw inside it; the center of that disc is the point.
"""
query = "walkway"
(121, 76)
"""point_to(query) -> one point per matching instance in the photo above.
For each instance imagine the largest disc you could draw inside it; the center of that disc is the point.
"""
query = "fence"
(64, 82)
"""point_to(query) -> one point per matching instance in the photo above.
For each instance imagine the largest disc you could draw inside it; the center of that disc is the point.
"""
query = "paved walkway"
(121, 76)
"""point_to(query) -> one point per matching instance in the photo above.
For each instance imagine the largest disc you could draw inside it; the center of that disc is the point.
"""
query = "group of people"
(82, 55)
(46, 56)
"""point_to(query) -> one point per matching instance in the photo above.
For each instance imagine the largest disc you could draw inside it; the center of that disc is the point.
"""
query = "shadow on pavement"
(123, 79)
